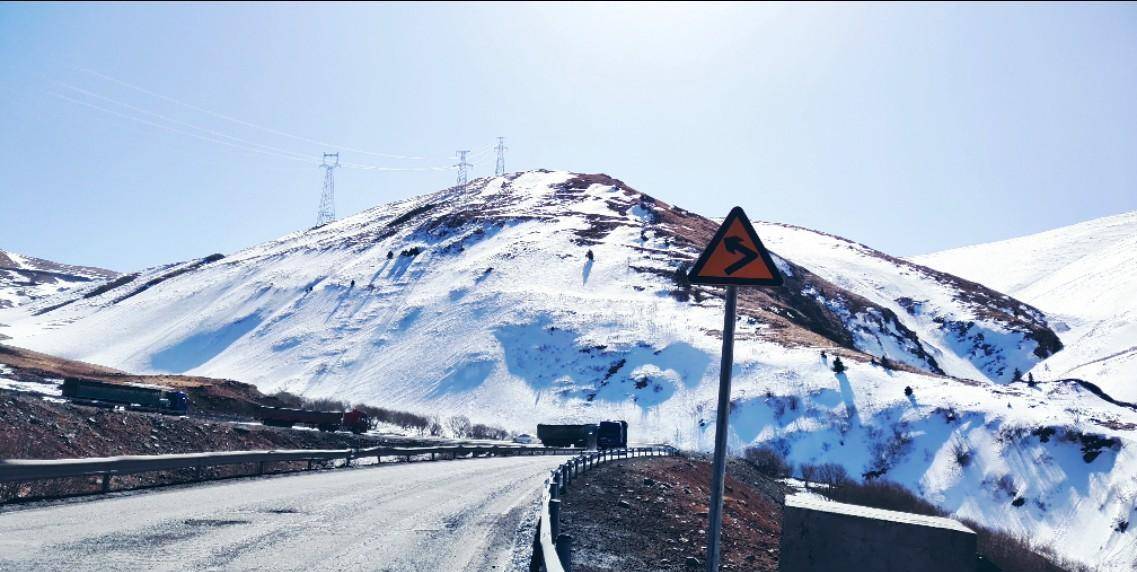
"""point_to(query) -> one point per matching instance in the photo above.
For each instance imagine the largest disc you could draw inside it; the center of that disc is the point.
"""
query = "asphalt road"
(437, 516)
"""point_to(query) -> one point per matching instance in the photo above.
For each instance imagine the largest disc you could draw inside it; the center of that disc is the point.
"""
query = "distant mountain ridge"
(25, 279)
(1084, 277)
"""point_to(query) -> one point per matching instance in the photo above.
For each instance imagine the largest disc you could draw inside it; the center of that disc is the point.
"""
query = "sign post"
(735, 257)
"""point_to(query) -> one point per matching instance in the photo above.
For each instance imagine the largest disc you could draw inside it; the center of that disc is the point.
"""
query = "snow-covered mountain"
(1084, 277)
(557, 296)
(25, 279)
(969, 330)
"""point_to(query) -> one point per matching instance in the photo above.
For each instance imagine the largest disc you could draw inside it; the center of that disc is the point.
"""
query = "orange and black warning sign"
(735, 256)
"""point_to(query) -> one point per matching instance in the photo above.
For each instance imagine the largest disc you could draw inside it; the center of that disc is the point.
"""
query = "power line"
(216, 136)
(178, 121)
(327, 212)
(246, 123)
(180, 131)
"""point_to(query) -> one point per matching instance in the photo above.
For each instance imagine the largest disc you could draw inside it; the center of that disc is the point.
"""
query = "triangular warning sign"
(735, 256)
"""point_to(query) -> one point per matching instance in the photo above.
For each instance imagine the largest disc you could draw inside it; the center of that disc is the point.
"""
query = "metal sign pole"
(721, 422)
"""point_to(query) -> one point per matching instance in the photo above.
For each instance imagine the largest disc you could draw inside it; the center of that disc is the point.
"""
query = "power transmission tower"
(462, 166)
(499, 170)
(327, 211)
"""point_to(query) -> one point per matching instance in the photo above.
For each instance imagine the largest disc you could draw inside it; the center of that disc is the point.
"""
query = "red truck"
(355, 421)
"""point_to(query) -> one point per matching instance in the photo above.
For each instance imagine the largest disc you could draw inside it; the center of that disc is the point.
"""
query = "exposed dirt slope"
(651, 514)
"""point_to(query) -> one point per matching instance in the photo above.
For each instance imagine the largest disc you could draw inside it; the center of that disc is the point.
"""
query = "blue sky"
(909, 128)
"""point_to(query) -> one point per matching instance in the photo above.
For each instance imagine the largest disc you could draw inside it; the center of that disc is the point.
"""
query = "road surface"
(436, 516)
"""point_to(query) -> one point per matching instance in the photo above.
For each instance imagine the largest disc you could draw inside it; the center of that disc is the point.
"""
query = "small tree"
(1030, 379)
(390, 254)
(681, 278)
(768, 461)
(459, 426)
(589, 255)
(833, 475)
(838, 365)
(908, 391)
(885, 363)
(808, 473)
(1018, 376)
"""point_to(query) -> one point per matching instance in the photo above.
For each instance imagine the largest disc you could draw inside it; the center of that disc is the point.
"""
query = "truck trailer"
(355, 421)
(130, 395)
(582, 436)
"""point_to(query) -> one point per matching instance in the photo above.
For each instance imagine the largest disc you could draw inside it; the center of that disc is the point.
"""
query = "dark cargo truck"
(612, 435)
(129, 395)
(583, 436)
(355, 421)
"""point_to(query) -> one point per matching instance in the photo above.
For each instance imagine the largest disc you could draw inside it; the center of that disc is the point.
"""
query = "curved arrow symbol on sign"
(734, 245)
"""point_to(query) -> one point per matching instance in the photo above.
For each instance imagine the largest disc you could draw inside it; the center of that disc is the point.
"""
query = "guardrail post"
(564, 551)
(555, 516)
(106, 482)
(261, 468)
(555, 489)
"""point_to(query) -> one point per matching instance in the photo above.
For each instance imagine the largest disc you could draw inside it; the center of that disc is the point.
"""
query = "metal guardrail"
(30, 470)
(553, 552)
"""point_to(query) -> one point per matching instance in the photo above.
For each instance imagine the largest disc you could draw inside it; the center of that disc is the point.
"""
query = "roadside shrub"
(808, 473)
(889, 495)
(480, 431)
(286, 399)
(680, 277)
(768, 461)
(326, 404)
(434, 428)
(1014, 554)
(833, 475)
(459, 426)
(402, 419)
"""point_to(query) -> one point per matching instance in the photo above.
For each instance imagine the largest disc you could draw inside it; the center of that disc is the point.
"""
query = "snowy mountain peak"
(839, 294)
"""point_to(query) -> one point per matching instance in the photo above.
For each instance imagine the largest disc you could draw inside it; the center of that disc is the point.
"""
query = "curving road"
(440, 516)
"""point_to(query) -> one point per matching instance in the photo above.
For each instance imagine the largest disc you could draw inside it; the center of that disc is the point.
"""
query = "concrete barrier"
(820, 535)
